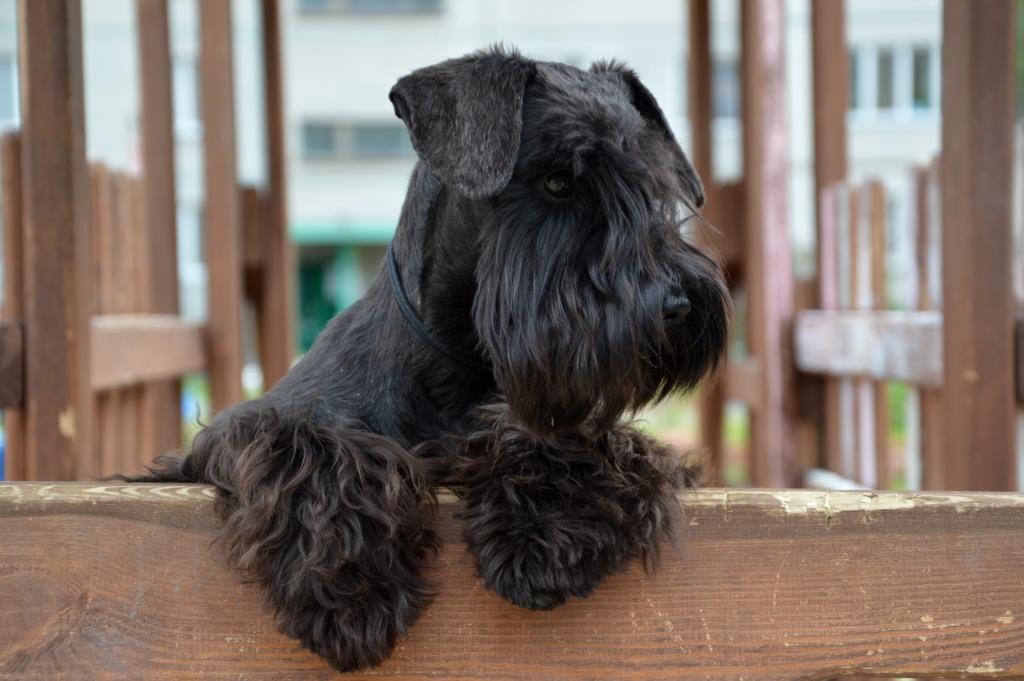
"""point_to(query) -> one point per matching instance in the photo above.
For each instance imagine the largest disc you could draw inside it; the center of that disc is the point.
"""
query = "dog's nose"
(676, 308)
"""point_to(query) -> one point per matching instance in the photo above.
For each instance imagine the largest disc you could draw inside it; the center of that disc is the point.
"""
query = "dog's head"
(590, 299)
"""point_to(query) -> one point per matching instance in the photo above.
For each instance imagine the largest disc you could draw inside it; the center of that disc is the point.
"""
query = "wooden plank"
(699, 101)
(888, 345)
(978, 104)
(828, 298)
(277, 316)
(161, 419)
(830, 86)
(57, 246)
(843, 582)
(223, 230)
(250, 208)
(878, 221)
(11, 365)
(849, 407)
(108, 404)
(929, 286)
(132, 419)
(768, 274)
(725, 212)
(699, 96)
(12, 309)
(134, 348)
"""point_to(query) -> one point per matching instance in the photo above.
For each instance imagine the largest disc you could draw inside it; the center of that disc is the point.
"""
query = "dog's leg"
(548, 518)
(327, 517)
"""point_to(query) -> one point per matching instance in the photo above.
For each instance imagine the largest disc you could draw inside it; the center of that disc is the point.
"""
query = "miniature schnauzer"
(541, 287)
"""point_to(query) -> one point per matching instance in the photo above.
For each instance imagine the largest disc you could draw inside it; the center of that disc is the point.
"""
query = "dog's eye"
(559, 184)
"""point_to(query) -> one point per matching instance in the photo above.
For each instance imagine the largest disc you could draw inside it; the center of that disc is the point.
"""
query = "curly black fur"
(549, 517)
(323, 482)
(326, 516)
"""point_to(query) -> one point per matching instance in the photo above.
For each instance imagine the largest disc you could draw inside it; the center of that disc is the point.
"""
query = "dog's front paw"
(549, 517)
(538, 556)
(330, 520)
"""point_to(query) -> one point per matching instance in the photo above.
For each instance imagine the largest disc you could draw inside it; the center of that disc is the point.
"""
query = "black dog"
(538, 288)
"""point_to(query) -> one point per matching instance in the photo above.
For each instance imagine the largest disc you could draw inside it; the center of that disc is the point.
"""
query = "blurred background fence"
(157, 266)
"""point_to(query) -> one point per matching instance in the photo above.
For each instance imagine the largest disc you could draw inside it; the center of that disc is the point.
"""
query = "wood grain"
(160, 401)
(882, 345)
(829, 201)
(830, 76)
(12, 310)
(277, 309)
(134, 348)
(977, 243)
(929, 287)
(122, 582)
(768, 275)
(223, 231)
(57, 241)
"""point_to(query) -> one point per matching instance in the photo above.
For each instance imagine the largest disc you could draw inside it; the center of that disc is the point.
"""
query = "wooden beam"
(783, 585)
(698, 102)
(136, 348)
(12, 310)
(830, 74)
(57, 263)
(699, 96)
(880, 345)
(160, 402)
(725, 212)
(277, 309)
(768, 275)
(928, 261)
(11, 365)
(978, 103)
(223, 230)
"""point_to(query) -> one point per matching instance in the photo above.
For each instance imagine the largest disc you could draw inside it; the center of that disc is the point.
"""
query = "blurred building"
(350, 158)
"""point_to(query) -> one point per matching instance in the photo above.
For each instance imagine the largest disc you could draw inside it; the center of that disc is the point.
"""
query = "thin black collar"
(409, 312)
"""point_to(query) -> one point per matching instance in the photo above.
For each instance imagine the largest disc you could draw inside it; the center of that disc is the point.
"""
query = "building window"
(886, 80)
(855, 100)
(370, 6)
(355, 141)
(921, 96)
(893, 80)
(317, 140)
(725, 90)
(9, 114)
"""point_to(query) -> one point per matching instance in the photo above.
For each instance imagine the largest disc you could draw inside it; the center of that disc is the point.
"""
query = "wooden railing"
(119, 581)
(91, 344)
(857, 343)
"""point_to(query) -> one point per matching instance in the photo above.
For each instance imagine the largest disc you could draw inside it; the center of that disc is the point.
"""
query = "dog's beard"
(575, 327)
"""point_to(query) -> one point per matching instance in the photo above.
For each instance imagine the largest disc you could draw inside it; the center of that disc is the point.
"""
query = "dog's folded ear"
(465, 118)
(648, 107)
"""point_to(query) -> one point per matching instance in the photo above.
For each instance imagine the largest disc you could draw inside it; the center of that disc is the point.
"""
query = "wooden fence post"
(12, 312)
(223, 229)
(57, 246)
(977, 243)
(161, 417)
(774, 459)
(277, 313)
(698, 101)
